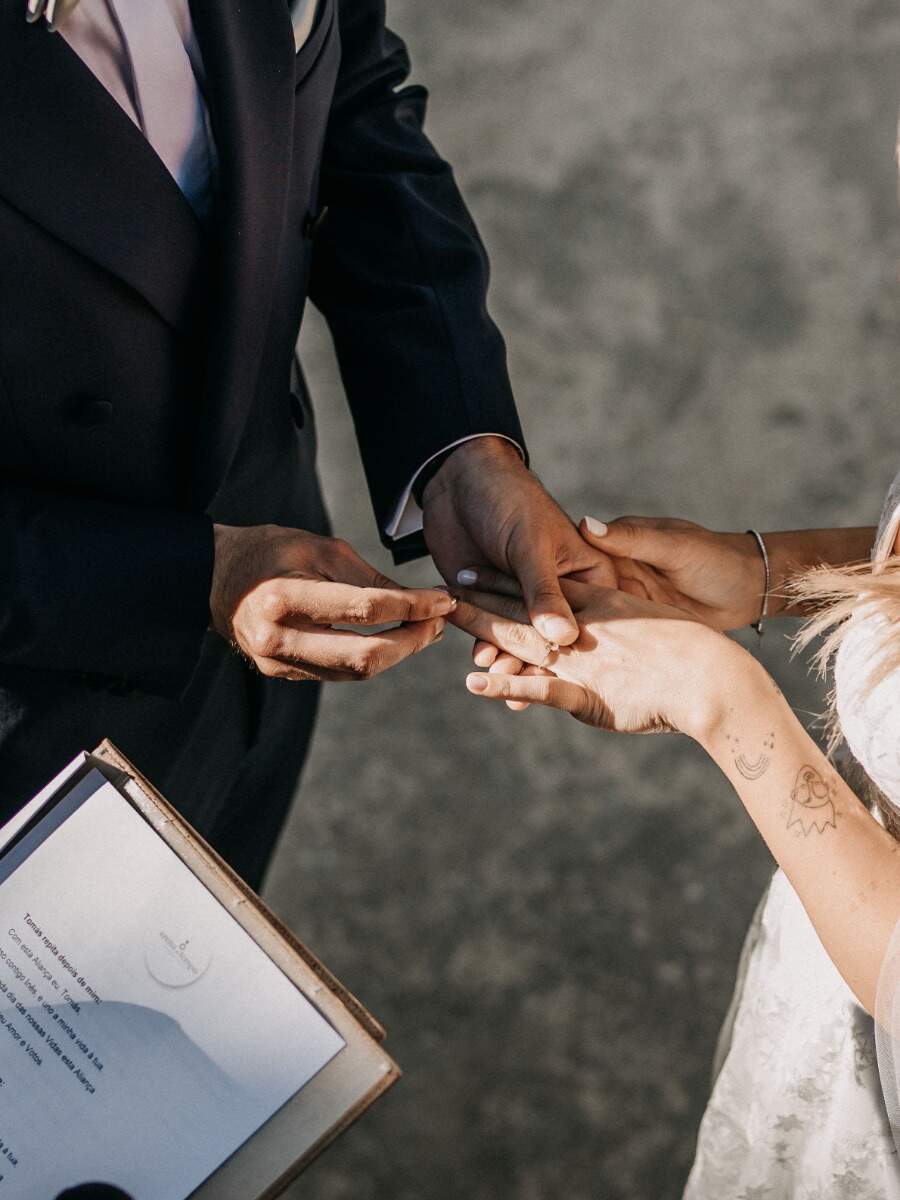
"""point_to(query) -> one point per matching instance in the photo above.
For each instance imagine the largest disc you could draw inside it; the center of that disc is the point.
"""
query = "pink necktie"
(168, 99)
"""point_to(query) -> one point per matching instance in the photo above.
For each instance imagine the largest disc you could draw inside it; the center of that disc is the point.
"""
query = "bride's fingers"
(579, 588)
(489, 579)
(484, 654)
(659, 541)
(533, 689)
(517, 638)
(507, 664)
(633, 587)
(519, 705)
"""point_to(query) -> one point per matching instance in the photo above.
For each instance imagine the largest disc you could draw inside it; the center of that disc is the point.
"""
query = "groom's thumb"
(650, 539)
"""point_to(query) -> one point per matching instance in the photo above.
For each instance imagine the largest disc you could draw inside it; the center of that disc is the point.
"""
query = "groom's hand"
(278, 593)
(485, 508)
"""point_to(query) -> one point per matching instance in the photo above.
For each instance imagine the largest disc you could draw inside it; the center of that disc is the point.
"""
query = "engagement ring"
(552, 648)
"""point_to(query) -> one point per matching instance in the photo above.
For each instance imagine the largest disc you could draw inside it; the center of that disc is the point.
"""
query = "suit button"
(297, 411)
(88, 413)
(313, 222)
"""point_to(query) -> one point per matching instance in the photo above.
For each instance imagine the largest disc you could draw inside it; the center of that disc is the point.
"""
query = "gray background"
(690, 210)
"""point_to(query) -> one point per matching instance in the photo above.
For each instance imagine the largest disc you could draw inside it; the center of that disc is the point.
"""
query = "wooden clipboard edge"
(350, 1117)
(109, 753)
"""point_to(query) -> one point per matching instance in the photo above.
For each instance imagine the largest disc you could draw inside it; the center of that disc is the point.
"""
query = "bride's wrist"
(783, 561)
(730, 679)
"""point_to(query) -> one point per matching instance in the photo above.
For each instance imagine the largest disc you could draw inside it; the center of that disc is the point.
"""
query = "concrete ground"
(691, 211)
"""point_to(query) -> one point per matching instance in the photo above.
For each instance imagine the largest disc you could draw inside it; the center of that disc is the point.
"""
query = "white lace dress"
(796, 1111)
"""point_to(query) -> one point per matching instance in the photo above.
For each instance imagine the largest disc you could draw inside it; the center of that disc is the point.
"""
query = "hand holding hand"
(719, 578)
(637, 666)
(278, 593)
(485, 508)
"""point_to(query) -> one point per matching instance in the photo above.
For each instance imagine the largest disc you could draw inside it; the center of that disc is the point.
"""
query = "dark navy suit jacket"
(145, 381)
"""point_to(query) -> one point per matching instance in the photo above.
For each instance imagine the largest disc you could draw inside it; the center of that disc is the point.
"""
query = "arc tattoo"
(812, 802)
(751, 768)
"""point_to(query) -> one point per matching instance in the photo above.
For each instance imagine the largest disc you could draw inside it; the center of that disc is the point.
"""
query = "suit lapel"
(248, 53)
(74, 162)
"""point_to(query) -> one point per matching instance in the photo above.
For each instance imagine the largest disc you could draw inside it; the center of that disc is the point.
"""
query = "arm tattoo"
(812, 802)
(751, 766)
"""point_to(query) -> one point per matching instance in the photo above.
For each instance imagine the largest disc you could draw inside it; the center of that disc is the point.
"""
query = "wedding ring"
(552, 648)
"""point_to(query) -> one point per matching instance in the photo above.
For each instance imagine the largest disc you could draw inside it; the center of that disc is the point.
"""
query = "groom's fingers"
(531, 689)
(339, 655)
(503, 606)
(489, 579)
(515, 637)
(535, 565)
(548, 608)
(325, 602)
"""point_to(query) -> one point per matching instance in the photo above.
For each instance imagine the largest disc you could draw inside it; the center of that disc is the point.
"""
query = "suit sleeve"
(401, 275)
(115, 593)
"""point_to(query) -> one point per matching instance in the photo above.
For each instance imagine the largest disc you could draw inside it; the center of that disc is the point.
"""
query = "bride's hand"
(637, 666)
(718, 578)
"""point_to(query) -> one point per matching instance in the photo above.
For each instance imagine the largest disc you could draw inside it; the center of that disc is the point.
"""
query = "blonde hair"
(833, 595)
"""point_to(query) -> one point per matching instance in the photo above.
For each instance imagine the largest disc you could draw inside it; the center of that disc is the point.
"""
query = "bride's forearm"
(794, 551)
(843, 865)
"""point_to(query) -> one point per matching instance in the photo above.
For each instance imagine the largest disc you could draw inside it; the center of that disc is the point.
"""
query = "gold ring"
(552, 648)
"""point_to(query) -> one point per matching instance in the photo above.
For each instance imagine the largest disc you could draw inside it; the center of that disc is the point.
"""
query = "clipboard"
(278, 1151)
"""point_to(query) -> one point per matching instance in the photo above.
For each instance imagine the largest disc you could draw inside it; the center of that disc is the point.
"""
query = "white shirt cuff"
(407, 515)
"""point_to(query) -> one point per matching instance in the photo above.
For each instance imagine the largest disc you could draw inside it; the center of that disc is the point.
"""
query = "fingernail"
(466, 577)
(439, 626)
(554, 629)
(476, 683)
(597, 528)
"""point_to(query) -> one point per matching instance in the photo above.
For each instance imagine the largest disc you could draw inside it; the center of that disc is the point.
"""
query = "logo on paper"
(175, 962)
